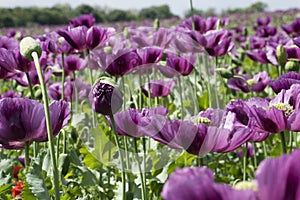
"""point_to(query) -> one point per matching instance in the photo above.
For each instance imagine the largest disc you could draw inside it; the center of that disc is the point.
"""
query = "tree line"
(60, 13)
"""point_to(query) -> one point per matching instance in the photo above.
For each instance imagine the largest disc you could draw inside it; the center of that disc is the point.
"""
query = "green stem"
(63, 77)
(125, 140)
(245, 152)
(291, 141)
(76, 92)
(181, 98)
(283, 143)
(140, 170)
(192, 13)
(92, 83)
(149, 89)
(27, 160)
(120, 154)
(209, 89)
(48, 123)
(254, 155)
(32, 96)
(265, 149)
(216, 84)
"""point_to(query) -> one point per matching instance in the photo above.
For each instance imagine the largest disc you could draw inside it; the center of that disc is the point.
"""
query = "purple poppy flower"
(201, 25)
(76, 37)
(55, 90)
(292, 28)
(288, 101)
(24, 64)
(185, 42)
(217, 42)
(278, 178)
(158, 88)
(7, 60)
(177, 65)
(87, 20)
(210, 131)
(105, 98)
(21, 78)
(257, 42)
(57, 44)
(162, 37)
(266, 31)
(9, 43)
(96, 36)
(293, 53)
(23, 120)
(10, 94)
(262, 22)
(285, 81)
(122, 62)
(239, 84)
(198, 183)
(250, 151)
(150, 55)
(258, 55)
(258, 83)
(173, 134)
(137, 123)
(243, 118)
(297, 41)
(72, 63)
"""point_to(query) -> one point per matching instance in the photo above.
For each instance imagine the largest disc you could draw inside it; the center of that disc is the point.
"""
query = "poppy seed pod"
(105, 98)
(28, 45)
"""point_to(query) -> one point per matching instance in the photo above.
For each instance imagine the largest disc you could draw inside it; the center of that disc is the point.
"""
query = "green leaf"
(64, 163)
(89, 160)
(104, 148)
(35, 179)
(5, 188)
(88, 177)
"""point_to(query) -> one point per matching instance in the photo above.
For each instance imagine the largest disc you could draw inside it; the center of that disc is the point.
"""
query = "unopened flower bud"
(281, 55)
(292, 65)
(27, 46)
(105, 98)
(126, 33)
(108, 49)
(156, 24)
(225, 73)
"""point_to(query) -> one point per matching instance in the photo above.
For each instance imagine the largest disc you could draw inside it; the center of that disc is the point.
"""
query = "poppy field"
(194, 108)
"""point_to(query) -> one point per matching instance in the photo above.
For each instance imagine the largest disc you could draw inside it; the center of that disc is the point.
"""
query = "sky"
(177, 7)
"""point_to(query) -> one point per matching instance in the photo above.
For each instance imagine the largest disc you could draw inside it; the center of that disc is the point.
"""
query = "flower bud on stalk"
(105, 98)
(281, 55)
(292, 65)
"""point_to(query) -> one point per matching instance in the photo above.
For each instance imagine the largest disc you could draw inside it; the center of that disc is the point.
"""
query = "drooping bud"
(225, 73)
(28, 45)
(281, 55)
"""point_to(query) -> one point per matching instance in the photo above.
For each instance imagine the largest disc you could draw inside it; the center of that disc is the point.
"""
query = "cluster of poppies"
(275, 178)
